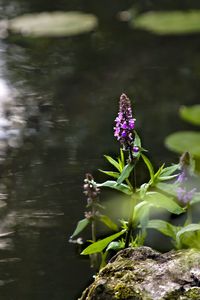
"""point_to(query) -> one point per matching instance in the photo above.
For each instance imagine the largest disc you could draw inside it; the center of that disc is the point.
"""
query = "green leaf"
(110, 173)
(169, 170)
(164, 227)
(162, 201)
(108, 222)
(191, 114)
(188, 228)
(122, 160)
(53, 24)
(169, 188)
(171, 22)
(118, 245)
(102, 244)
(113, 162)
(119, 187)
(141, 210)
(80, 226)
(149, 166)
(125, 173)
(184, 141)
(137, 140)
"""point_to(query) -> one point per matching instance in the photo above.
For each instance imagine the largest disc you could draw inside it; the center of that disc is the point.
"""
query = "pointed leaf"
(169, 170)
(80, 226)
(108, 222)
(113, 162)
(100, 245)
(149, 166)
(110, 173)
(119, 187)
(125, 173)
(118, 245)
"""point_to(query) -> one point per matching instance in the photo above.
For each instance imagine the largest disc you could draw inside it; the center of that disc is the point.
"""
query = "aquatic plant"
(170, 188)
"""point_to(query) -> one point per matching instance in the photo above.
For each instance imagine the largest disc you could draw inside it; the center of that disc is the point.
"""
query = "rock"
(145, 274)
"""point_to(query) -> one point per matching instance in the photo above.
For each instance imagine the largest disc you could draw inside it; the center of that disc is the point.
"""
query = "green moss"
(124, 292)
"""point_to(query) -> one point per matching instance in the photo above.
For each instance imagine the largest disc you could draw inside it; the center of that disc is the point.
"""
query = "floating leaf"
(100, 245)
(80, 226)
(53, 24)
(184, 141)
(119, 187)
(191, 114)
(171, 22)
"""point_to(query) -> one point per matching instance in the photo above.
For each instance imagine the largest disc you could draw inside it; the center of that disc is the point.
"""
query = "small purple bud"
(136, 149)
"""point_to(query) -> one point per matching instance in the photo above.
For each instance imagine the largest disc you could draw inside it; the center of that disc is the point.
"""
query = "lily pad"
(191, 114)
(171, 22)
(53, 24)
(184, 141)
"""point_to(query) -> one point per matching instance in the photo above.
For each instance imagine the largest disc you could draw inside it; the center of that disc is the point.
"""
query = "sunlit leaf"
(117, 245)
(162, 201)
(125, 173)
(108, 222)
(119, 187)
(164, 227)
(80, 226)
(184, 141)
(54, 24)
(191, 114)
(169, 170)
(171, 22)
(102, 244)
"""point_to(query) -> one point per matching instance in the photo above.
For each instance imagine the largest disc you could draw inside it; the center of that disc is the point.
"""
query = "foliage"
(187, 140)
(53, 24)
(171, 22)
(169, 188)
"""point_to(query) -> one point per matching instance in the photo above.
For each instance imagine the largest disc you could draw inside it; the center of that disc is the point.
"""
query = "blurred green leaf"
(188, 228)
(53, 24)
(162, 201)
(119, 187)
(108, 222)
(80, 226)
(100, 245)
(171, 22)
(164, 227)
(184, 141)
(191, 114)
(118, 245)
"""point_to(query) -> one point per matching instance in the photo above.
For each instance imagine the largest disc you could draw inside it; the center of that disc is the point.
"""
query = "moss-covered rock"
(145, 274)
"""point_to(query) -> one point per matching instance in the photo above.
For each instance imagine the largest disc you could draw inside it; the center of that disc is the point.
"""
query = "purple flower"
(185, 196)
(182, 177)
(125, 123)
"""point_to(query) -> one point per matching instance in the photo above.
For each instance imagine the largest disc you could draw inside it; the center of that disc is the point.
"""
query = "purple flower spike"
(125, 123)
(185, 196)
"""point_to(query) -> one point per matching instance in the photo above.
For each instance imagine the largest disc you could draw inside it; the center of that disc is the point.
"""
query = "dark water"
(63, 96)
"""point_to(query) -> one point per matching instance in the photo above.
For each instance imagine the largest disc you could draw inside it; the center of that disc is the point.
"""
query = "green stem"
(189, 214)
(130, 222)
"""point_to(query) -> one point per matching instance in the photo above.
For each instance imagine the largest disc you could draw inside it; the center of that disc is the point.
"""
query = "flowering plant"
(169, 188)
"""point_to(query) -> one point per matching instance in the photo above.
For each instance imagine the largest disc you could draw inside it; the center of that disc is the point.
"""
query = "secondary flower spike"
(125, 123)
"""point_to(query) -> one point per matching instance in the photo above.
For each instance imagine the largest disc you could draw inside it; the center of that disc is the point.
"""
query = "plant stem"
(130, 222)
